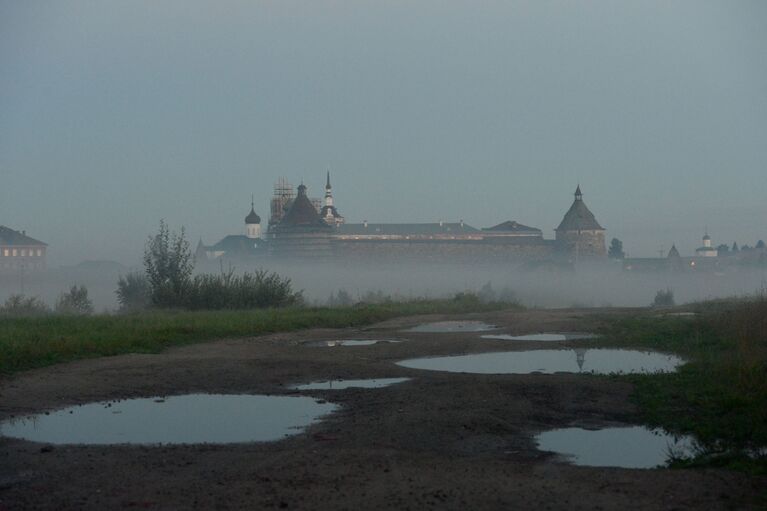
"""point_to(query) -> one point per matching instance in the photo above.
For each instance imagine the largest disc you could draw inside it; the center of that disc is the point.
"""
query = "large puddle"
(188, 419)
(452, 327)
(350, 342)
(347, 384)
(627, 447)
(598, 361)
(545, 337)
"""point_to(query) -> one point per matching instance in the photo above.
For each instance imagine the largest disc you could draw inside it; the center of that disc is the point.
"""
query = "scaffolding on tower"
(281, 201)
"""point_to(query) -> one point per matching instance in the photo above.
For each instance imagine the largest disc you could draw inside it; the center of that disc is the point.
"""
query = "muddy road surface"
(439, 440)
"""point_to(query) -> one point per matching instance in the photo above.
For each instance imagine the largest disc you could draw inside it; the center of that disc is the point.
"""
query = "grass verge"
(720, 395)
(27, 343)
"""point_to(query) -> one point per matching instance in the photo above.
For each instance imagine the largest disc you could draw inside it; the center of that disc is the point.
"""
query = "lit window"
(15, 252)
(23, 252)
(39, 252)
(6, 252)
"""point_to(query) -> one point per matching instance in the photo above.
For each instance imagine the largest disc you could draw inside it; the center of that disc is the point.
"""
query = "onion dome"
(252, 217)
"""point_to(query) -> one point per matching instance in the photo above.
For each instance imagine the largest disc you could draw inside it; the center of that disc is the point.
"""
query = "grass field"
(27, 343)
(720, 395)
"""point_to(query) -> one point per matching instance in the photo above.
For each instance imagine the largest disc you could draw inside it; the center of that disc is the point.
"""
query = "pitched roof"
(11, 237)
(237, 244)
(423, 229)
(512, 226)
(302, 213)
(578, 217)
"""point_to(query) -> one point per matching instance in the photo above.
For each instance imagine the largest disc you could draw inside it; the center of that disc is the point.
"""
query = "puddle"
(188, 419)
(452, 327)
(627, 447)
(350, 342)
(347, 384)
(598, 361)
(540, 337)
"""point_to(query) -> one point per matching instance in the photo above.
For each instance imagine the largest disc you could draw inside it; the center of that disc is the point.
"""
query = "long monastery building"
(304, 228)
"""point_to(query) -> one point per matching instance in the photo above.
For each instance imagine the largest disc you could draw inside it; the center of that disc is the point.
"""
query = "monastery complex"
(300, 227)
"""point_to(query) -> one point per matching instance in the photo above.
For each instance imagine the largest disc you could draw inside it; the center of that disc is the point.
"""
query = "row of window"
(23, 252)
(21, 265)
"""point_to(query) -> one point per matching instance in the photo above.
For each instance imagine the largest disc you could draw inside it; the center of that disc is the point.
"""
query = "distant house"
(233, 246)
(512, 229)
(20, 252)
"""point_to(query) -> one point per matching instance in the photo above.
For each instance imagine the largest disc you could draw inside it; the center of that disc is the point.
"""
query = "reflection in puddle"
(627, 447)
(188, 419)
(600, 361)
(346, 384)
(540, 337)
(453, 326)
(350, 342)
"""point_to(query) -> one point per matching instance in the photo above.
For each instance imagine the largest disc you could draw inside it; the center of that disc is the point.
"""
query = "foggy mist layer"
(605, 285)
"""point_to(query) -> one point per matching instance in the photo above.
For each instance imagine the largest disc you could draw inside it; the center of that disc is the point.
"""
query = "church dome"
(252, 217)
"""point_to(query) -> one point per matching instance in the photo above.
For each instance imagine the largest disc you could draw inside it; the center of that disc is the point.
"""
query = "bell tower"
(252, 223)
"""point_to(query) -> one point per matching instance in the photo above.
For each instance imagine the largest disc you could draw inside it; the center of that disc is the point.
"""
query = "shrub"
(340, 298)
(376, 297)
(664, 298)
(486, 293)
(133, 292)
(19, 305)
(467, 298)
(227, 290)
(75, 301)
(506, 294)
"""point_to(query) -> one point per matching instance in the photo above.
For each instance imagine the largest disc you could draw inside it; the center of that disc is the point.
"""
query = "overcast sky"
(114, 114)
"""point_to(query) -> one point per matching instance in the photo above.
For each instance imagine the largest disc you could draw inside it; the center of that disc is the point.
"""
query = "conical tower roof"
(673, 253)
(579, 217)
(302, 213)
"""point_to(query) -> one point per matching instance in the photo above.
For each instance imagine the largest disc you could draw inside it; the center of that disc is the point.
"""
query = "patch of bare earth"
(447, 441)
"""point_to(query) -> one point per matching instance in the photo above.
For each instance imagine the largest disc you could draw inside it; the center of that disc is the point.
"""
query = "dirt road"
(439, 440)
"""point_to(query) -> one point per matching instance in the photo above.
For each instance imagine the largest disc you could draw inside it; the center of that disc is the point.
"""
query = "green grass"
(27, 343)
(720, 395)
